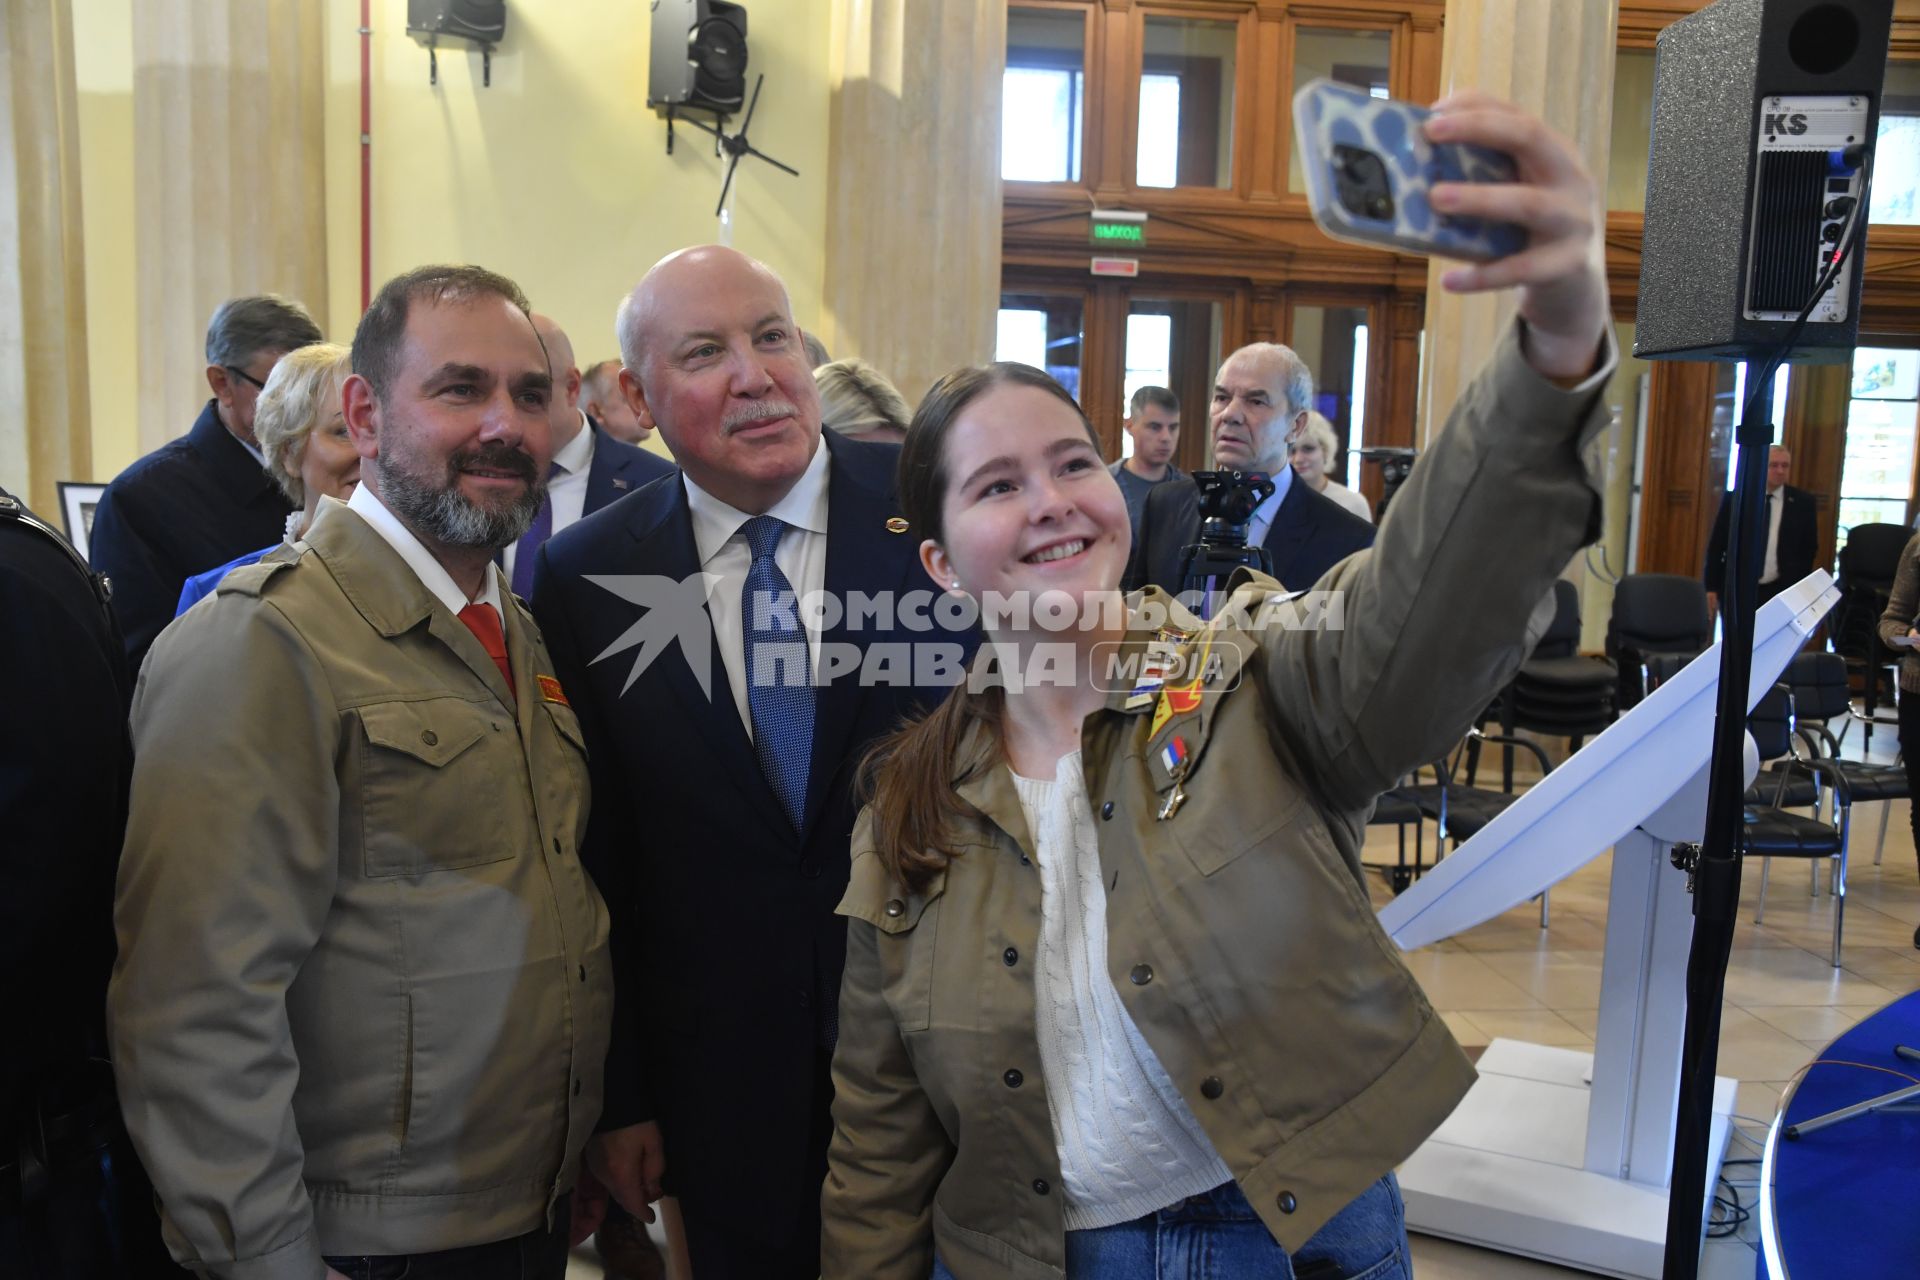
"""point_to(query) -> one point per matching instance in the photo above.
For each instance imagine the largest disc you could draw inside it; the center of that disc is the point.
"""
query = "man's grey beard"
(446, 515)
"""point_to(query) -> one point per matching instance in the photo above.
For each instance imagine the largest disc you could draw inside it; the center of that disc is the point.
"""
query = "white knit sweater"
(1128, 1143)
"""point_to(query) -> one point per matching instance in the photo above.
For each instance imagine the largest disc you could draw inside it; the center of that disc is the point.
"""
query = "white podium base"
(1507, 1170)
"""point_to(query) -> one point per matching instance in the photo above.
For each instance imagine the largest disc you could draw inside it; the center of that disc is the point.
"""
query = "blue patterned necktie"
(779, 673)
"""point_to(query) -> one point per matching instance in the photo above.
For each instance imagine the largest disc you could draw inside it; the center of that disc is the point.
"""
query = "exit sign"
(1116, 266)
(1118, 227)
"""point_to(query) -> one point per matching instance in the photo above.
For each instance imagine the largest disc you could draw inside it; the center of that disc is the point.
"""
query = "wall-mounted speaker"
(699, 55)
(1749, 185)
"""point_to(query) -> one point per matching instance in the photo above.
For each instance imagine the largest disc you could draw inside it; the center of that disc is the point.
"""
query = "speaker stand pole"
(1716, 871)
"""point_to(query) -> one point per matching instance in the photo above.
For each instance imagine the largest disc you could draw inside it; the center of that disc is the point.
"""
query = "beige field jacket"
(1241, 938)
(363, 996)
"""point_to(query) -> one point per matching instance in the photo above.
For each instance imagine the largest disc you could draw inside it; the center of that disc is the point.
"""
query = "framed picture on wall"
(77, 502)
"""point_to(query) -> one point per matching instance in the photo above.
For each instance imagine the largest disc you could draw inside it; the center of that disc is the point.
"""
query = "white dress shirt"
(1776, 501)
(723, 552)
(566, 486)
(432, 574)
(1262, 522)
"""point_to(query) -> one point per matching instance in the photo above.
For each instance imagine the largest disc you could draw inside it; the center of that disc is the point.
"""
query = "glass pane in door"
(1043, 330)
(1173, 343)
(1334, 342)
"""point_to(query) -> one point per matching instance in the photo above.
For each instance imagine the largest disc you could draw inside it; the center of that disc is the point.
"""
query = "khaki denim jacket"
(1240, 935)
(363, 997)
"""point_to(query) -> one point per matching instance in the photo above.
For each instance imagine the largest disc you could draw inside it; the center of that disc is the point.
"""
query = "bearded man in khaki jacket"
(362, 999)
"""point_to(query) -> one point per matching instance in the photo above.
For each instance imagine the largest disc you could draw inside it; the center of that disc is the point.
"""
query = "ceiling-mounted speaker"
(699, 55)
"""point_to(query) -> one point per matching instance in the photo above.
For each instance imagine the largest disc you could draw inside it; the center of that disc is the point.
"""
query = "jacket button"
(1286, 1202)
(556, 846)
(1040, 1187)
(583, 973)
(429, 737)
(810, 870)
(1142, 974)
(896, 908)
(1013, 1078)
(1011, 956)
(576, 1088)
(1106, 811)
(1211, 1088)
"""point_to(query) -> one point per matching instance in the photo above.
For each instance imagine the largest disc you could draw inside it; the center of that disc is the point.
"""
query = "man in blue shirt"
(1153, 423)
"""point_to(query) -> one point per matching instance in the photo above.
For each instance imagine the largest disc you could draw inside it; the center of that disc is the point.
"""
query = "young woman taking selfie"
(1116, 1004)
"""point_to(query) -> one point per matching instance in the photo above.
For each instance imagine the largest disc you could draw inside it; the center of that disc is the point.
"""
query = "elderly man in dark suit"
(590, 470)
(724, 785)
(204, 499)
(1261, 397)
(1792, 538)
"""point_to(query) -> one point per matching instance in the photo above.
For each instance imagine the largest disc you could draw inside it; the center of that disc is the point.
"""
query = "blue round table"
(1845, 1200)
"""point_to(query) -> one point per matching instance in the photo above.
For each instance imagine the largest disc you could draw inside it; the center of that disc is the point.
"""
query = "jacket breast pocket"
(1215, 827)
(906, 960)
(432, 793)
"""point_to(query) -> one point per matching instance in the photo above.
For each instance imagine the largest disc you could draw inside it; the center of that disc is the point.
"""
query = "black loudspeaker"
(481, 21)
(699, 55)
(1749, 191)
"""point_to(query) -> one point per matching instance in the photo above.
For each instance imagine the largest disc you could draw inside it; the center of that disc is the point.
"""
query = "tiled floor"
(1784, 1001)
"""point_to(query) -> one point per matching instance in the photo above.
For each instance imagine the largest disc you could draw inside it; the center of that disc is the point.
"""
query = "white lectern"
(1555, 1153)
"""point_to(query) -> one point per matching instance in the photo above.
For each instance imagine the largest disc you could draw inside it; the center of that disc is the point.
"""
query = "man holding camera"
(1260, 398)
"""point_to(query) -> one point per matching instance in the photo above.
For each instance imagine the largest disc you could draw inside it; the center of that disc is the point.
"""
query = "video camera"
(1228, 500)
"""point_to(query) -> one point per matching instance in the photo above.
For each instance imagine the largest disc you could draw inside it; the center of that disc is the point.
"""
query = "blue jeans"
(1217, 1236)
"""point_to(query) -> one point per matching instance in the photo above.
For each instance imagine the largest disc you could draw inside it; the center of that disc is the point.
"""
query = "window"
(1896, 156)
(1730, 398)
(1186, 103)
(1173, 343)
(1043, 330)
(1043, 96)
(1363, 59)
(1877, 474)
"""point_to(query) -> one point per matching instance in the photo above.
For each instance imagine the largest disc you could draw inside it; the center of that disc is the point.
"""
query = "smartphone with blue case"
(1368, 166)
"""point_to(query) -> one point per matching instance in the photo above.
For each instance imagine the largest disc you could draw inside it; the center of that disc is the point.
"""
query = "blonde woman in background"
(302, 435)
(857, 401)
(1312, 451)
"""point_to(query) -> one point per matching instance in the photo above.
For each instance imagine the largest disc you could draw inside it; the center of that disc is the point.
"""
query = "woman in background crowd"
(1312, 451)
(303, 438)
(857, 401)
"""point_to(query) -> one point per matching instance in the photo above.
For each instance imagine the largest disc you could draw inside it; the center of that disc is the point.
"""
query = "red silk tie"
(485, 625)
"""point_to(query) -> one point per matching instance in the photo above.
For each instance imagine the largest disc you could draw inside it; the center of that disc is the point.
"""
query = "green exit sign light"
(1111, 226)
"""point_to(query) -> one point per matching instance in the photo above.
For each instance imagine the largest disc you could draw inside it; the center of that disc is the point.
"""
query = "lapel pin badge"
(621, 484)
(896, 524)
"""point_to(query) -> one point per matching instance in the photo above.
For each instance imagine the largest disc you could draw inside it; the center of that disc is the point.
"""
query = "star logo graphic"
(675, 609)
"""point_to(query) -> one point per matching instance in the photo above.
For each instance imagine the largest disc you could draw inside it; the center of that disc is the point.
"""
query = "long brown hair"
(908, 776)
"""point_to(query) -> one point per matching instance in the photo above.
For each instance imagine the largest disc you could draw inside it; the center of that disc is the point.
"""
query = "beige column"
(913, 200)
(44, 430)
(1554, 58)
(229, 180)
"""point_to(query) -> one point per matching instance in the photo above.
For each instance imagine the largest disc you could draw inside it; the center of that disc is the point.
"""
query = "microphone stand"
(1714, 872)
